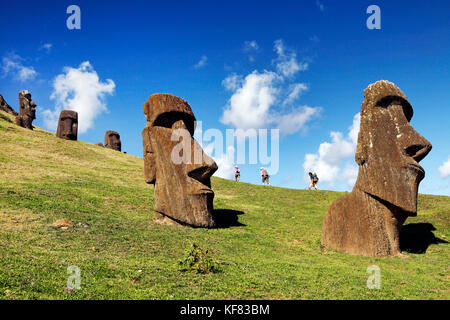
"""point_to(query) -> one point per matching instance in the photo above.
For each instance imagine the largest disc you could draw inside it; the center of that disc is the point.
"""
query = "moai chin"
(68, 125)
(368, 220)
(27, 110)
(182, 176)
(112, 140)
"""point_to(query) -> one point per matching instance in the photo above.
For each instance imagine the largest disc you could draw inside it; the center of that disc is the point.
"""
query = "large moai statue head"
(68, 125)
(112, 140)
(27, 110)
(369, 219)
(176, 164)
(389, 148)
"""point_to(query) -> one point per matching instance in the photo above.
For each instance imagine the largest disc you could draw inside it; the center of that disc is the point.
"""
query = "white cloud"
(249, 105)
(444, 169)
(286, 62)
(295, 91)
(201, 63)
(332, 156)
(12, 64)
(81, 90)
(46, 47)
(257, 99)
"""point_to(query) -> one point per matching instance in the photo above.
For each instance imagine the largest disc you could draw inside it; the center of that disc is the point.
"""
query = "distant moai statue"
(112, 140)
(6, 107)
(368, 220)
(27, 110)
(68, 125)
(99, 144)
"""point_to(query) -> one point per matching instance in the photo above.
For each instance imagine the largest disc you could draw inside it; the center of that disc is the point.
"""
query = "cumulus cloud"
(260, 99)
(444, 169)
(332, 161)
(81, 90)
(286, 62)
(295, 91)
(201, 63)
(12, 64)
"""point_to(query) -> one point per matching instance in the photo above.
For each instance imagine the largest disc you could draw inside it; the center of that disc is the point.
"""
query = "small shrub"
(199, 260)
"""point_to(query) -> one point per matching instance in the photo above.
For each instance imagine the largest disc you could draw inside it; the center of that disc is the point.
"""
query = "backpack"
(315, 178)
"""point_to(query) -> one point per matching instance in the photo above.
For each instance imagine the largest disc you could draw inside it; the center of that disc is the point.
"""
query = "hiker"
(314, 180)
(237, 174)
(265, 176)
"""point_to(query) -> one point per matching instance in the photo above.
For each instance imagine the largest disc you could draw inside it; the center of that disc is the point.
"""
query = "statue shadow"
(416, 237)
(226, 218)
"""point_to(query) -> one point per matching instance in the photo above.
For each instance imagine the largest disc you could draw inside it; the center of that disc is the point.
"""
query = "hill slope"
(122, 254)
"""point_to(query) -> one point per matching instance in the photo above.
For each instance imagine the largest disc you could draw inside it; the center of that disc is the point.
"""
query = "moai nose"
(202, 167)
(418, 148)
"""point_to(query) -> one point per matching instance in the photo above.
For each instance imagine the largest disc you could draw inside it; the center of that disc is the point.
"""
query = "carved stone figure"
(112, 140)
(6, 107)
(368, 220)
(99, 144)
(27, 110)
(68, 125)
(176, 164)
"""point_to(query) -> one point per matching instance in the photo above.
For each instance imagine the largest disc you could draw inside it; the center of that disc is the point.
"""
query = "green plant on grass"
(199, 260)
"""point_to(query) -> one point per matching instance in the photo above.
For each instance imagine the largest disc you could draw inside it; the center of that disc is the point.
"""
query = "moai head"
(27, 106)
(389, 148)
(68, 125)
(176, 164)
(99, 144)
(27, 110)
(112, 140)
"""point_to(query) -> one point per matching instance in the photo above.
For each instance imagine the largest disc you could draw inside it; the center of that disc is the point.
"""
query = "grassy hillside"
(273, 253)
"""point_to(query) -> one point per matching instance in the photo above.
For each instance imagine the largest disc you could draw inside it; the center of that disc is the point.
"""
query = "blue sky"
(189, 49)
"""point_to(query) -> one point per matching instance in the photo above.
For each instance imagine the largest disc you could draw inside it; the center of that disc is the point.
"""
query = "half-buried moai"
(112, 140)
(176, 164)
(6, 107)
(27, 110)
(368, 220)
(68, 125)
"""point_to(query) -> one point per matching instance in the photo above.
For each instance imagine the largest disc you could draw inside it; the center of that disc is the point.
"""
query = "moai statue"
(27, 110)
(68, 125)
(176, 164)
(368, 220)
(6, 107)
(99, 144)
(112, 140)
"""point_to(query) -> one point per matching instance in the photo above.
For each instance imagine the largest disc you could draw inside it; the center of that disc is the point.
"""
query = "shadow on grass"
(416, 237)
(226, 218)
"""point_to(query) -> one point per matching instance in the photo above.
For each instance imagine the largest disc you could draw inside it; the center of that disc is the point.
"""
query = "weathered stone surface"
(27, 110)
(6, 107)
(68, 125)
(369, 219)
(99, 144)
(182, 176)
(112, 140)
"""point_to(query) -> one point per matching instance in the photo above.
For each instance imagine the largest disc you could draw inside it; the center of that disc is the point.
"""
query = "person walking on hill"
(265, 176)
(314, 181)
(237, 174)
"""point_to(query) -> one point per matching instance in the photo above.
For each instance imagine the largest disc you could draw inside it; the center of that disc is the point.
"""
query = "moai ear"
(149, 157)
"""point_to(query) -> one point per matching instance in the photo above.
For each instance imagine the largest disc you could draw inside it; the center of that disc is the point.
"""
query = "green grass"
(123, 254)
